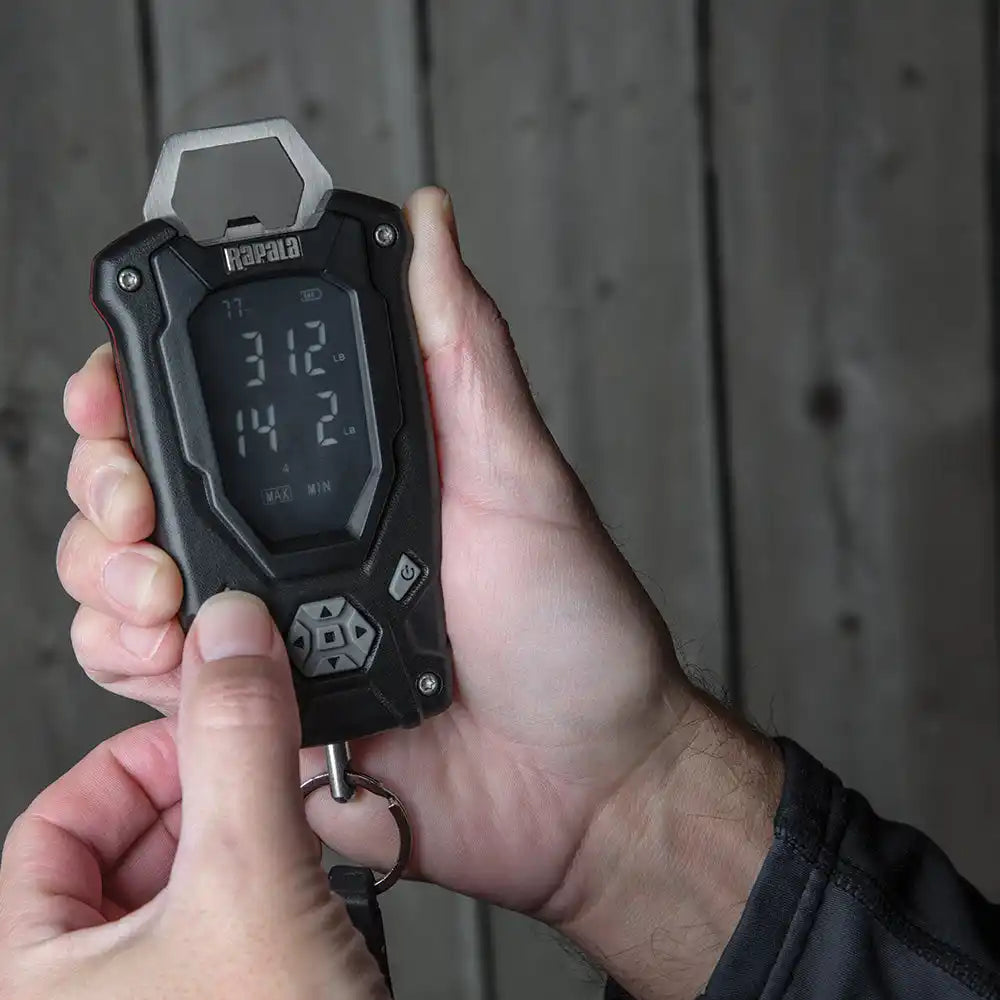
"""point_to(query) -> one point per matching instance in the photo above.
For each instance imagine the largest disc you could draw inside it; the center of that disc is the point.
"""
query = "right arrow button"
(360, 634)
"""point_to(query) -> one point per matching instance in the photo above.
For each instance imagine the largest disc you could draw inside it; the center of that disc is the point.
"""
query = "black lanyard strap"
(356, 887)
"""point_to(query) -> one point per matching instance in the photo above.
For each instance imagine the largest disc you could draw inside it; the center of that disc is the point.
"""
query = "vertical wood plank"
(347, 76)
(72, 167)
(851, 149)
(533, 962)
(567, 135)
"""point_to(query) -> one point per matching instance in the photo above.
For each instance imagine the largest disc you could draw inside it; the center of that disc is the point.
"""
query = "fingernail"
(141, 642)
(233, 624)
(95, 353)
(103, 485)
(128, 578)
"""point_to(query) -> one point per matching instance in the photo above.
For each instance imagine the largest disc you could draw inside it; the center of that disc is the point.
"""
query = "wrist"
(662, 876)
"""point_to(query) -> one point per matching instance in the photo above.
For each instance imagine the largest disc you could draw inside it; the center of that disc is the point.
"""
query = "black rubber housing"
(211, 544)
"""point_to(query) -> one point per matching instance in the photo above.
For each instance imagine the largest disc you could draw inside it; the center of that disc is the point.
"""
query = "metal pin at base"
(338, 761)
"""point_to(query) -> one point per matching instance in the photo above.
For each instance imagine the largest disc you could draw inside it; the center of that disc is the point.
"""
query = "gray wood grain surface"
(851, 153)
(849, 144)
(73, 169)
(345, 73)
(567, 135)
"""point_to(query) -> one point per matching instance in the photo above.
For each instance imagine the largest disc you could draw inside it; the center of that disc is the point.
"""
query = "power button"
(405, 578)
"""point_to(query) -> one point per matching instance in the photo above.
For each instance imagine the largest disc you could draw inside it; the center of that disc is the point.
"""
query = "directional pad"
(330, 637)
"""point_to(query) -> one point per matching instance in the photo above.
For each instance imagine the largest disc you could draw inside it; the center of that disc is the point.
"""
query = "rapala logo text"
(244, 255)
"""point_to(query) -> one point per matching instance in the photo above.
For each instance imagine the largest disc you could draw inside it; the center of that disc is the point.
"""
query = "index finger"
(65, 849)
(92, 402)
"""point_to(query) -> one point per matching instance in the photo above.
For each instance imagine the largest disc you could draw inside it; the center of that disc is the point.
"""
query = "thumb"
(238, 742)
(493, 446)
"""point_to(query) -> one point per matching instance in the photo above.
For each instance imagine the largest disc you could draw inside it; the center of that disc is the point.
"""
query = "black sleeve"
(849, 905)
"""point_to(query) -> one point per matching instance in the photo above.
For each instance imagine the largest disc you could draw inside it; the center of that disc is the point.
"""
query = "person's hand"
(571, 714)
(106, 893)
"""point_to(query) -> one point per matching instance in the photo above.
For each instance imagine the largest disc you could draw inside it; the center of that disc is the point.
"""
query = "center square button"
(329, 636)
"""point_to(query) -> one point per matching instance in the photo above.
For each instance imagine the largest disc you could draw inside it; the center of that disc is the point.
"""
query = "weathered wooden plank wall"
(851, 148)
(73, 168)
(568, 136)
(791, 438)
(345, 72)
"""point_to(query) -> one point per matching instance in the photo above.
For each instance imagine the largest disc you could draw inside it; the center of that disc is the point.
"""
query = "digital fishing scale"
(274, 392)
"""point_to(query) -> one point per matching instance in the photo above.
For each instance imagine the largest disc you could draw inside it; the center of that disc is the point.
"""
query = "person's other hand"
(106, 893)
(571, 714)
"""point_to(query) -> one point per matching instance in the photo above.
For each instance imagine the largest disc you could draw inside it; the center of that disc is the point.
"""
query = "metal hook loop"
(396, 810)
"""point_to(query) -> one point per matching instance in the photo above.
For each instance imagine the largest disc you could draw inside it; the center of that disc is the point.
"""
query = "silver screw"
(385, 235)
(428, 684)
(129, 279)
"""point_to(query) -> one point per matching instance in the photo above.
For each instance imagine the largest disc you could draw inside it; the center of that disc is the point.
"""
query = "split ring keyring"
(396, 810)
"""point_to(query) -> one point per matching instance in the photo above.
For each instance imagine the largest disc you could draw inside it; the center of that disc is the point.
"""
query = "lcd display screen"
(288, 399)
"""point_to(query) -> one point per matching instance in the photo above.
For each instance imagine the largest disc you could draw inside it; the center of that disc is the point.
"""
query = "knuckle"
(239, 694)
(15, 834)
